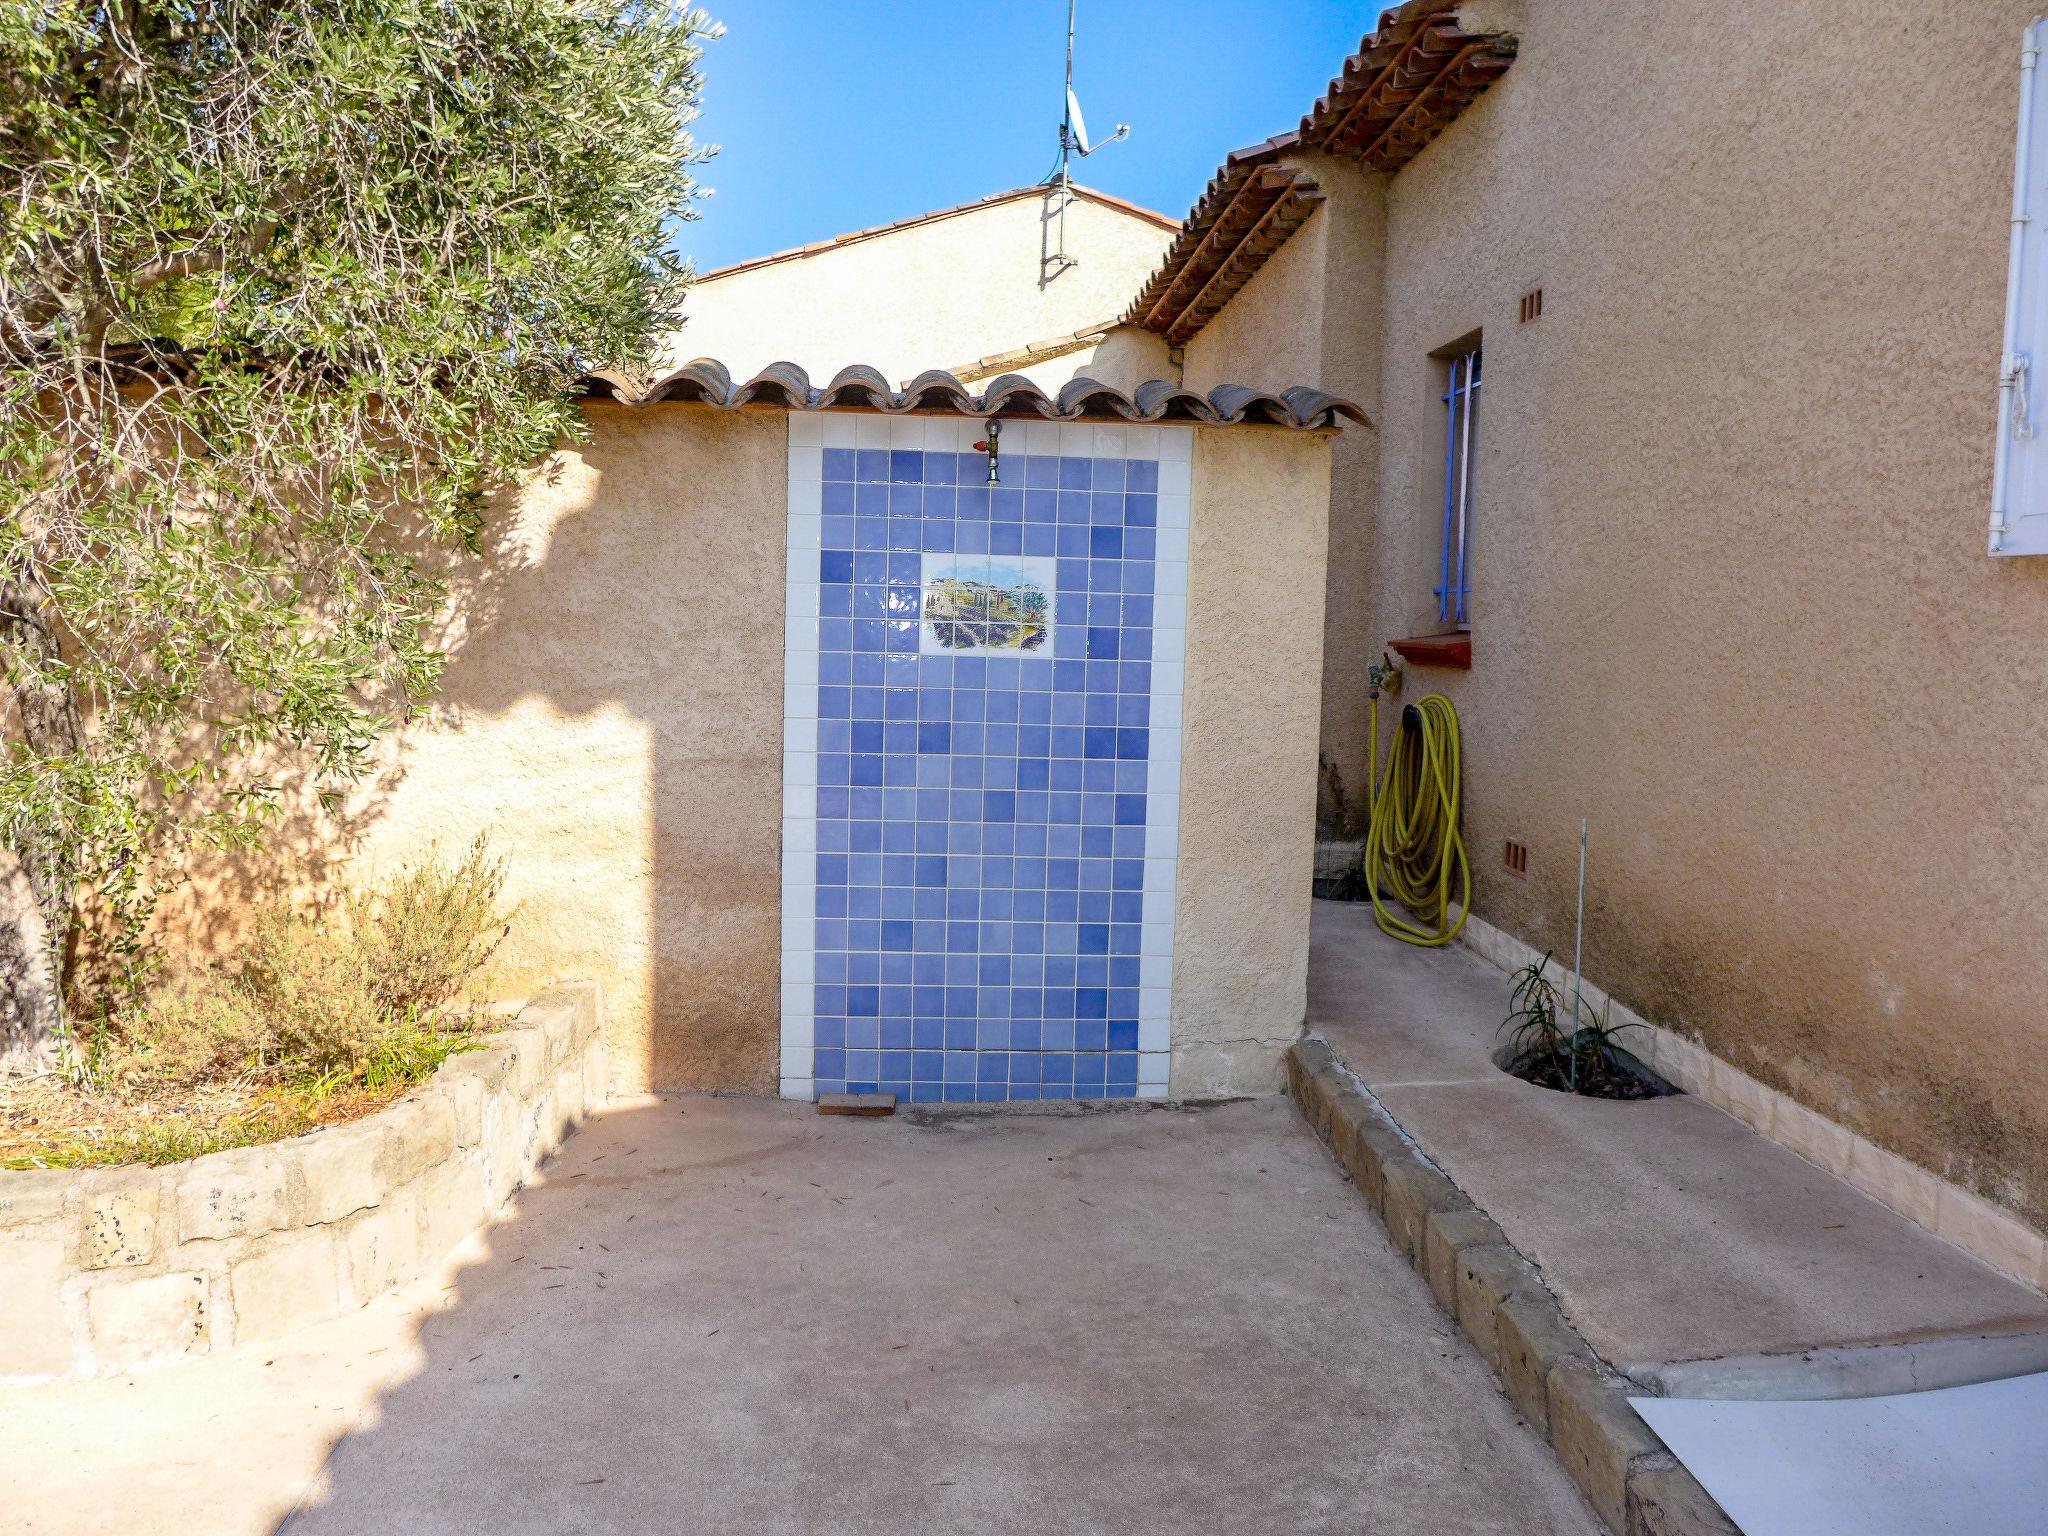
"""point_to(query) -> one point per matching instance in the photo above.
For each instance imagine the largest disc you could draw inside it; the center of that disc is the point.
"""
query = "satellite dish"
(1123, 130)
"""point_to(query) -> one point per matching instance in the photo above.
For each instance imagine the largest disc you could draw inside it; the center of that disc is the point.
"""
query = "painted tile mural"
(982, 764)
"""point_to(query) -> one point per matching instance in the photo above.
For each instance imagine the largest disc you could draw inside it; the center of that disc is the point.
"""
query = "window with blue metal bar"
(1461, 435)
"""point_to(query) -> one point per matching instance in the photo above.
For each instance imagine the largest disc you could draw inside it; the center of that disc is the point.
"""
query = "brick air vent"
(1516, 858)
(1532, 305)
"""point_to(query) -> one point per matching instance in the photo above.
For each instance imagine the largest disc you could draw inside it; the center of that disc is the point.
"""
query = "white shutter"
(2019, 483)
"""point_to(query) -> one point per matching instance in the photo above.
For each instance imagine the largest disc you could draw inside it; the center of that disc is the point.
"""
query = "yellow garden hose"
(1413, 849)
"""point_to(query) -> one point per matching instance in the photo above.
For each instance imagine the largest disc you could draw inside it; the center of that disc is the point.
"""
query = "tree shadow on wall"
(611, 714)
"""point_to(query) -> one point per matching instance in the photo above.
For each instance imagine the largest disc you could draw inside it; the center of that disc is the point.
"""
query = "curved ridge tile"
(1158, 400)
(784, 384)
(1084, 396)
(857, 384)
(937, 390)
(622, 387)
(1238, 402)
(1015, 395)
(701, 380)
(1315, 408)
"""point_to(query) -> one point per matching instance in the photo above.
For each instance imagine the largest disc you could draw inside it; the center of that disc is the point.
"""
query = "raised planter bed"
(108, 1269)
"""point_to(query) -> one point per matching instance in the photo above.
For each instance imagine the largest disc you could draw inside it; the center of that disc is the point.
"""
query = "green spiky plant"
(1535, 1006)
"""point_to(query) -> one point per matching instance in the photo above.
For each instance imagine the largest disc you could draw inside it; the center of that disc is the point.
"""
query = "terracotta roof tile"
(785, 386)
(1407, 81)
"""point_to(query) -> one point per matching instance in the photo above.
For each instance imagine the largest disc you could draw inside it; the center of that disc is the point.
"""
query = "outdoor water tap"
(988, 446)
(1385, 674)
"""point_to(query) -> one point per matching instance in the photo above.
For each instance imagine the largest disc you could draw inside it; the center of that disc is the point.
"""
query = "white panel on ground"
(1964, 1459)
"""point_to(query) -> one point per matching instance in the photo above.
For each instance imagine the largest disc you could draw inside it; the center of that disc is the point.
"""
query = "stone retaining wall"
(1559, 1386)
(107, 1269)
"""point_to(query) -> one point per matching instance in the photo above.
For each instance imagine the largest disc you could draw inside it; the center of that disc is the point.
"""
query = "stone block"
(153, 1317)
(418, 1133)
(35, 1337)
(1993, 1234)
(383, 1245)
(596, 1074)
(1684, 1063)
(1445, 1234)
(1379, 1147)
(1347, 1110)
(490, 1067)
(1813, 1136)
(1666, 1500)
(244, 1193)
(292, 1280)
(1533, 1337)
(554, 1123)
(1890, 1180)
(1742, 1096)
(117, 1218)
(451, 1206)
(340, 1166)
(465, 1095)
(1488, 1277)
(527, 1050)
(33, 1197)
(569, 1091)
(1413, 1191)
(1598, 1437)
(558, 1025)
(1330, 1087)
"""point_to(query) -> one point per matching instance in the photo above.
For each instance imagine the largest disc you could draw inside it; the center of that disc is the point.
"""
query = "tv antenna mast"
(1073, 140)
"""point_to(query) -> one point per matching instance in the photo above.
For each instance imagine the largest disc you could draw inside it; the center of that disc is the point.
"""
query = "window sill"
(1453, 650)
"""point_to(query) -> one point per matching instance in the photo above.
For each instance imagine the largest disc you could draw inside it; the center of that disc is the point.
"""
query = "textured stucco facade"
(1730, 595)
(1258, 531)
(935, 293)
(611, 714)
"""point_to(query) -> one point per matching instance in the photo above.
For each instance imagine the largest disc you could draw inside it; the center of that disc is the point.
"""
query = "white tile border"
(1174, 448)
(808, 436)
(1983, 1230)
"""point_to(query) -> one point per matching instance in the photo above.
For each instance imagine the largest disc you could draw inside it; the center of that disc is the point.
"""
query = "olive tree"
(286, 290)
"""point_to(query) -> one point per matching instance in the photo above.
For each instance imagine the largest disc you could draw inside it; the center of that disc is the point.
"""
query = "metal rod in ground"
(1579, 953)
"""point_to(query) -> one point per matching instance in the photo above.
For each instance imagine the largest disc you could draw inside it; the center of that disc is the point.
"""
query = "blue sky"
(837, 116)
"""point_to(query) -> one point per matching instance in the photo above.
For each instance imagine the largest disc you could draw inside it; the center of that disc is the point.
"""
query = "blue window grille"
(1461, 428)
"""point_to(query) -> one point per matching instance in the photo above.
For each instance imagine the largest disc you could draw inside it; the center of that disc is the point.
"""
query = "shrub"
(196, 1031)
(360, 997)
(430, 928)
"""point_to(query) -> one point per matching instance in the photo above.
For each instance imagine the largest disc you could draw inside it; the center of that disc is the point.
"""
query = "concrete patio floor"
(724, 1314)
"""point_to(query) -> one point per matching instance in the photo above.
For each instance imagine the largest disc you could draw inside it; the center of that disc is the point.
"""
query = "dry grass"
(49, 1123)
(322, 1019)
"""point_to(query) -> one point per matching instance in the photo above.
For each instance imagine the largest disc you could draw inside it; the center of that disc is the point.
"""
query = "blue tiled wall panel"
(982, 759)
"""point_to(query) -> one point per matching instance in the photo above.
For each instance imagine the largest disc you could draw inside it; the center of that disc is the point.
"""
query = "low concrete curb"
(107, 1269)
(1497, 1297)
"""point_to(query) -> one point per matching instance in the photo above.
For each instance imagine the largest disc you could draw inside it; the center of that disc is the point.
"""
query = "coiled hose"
(1413, 849)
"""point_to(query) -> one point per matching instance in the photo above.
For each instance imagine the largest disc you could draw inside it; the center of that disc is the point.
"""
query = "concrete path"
(736, 1315)
(1670, 1231)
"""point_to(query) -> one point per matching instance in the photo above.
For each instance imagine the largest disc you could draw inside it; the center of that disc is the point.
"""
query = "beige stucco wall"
(1312, 316)
(1731, 600)
(1258, 530)
(935, 295)
(612, 715)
